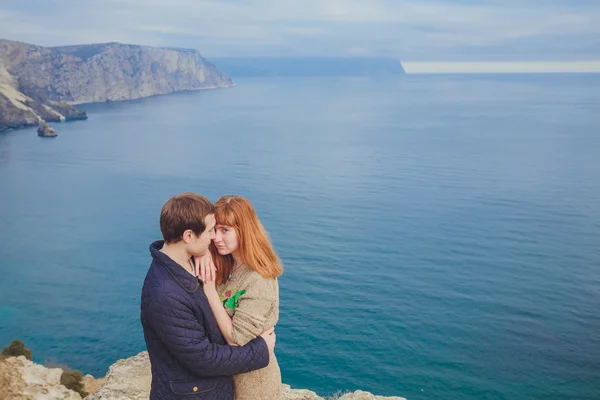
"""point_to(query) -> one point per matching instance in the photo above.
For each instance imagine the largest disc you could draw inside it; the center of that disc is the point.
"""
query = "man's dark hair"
(182, 212)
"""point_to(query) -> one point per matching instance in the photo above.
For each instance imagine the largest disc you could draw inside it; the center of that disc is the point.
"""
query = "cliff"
(127, 379)
(39, 83)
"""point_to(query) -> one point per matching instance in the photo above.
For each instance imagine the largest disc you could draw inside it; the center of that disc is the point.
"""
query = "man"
(188, 354)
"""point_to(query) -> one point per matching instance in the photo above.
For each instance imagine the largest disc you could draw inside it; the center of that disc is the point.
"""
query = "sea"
(440, 234)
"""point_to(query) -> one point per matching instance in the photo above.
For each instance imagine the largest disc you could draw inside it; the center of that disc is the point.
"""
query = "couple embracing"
(210, 302)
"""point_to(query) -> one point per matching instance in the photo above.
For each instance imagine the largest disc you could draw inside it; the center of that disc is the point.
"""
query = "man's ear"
(188, 235)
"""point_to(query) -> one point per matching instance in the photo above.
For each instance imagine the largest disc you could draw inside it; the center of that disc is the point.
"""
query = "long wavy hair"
(254, 247)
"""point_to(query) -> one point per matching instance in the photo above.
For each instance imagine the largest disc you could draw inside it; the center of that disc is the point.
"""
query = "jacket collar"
(187, 281)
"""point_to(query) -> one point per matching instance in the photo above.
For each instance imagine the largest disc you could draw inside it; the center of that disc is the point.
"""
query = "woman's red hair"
(254, 247)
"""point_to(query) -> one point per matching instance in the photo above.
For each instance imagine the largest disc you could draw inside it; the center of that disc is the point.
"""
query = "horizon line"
(515, 67)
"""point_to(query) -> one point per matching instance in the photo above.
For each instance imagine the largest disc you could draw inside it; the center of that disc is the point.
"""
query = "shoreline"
(228, 86)
(26, 125)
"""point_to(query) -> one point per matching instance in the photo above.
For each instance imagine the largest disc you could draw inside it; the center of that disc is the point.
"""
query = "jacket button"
(195, 389)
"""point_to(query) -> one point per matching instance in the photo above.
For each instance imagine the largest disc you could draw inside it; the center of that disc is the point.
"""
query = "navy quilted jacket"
(190, 358)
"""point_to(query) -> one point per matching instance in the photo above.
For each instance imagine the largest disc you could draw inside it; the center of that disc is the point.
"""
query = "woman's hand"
(206, 271)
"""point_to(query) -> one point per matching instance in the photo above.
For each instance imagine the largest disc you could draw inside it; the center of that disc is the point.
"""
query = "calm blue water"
(441, 235)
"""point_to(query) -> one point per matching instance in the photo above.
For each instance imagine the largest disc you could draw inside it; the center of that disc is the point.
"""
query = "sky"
(411, 30)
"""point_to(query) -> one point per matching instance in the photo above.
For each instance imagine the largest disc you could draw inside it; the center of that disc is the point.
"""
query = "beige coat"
(253, 303)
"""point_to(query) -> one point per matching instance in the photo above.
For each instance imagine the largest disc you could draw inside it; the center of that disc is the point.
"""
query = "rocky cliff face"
(14, 112)
(39, 83)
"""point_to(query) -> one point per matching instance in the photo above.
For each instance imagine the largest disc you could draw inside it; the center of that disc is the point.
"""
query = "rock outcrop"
(127, 379)
(91, 384)
(22, 379)
(14, 114)
(41, 84)
(360, 395)
(130, 379)
(46, 130)
(287, 393)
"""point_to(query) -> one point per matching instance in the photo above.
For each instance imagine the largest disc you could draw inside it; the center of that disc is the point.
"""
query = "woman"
(240, 282)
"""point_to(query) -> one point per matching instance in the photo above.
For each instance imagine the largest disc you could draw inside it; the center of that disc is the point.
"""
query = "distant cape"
(309, 66)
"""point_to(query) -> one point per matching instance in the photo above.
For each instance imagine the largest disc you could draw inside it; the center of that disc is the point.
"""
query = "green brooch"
(230, 299)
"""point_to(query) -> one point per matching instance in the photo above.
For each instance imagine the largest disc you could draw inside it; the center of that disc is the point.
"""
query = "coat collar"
(187, 281)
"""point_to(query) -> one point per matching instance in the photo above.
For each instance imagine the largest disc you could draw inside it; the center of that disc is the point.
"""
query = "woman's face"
(225, 240)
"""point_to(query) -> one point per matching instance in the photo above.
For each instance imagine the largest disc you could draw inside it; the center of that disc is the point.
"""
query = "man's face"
(199, 246)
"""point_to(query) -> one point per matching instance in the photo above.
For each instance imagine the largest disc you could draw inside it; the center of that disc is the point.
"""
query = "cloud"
(306, 31)
(409, 29)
